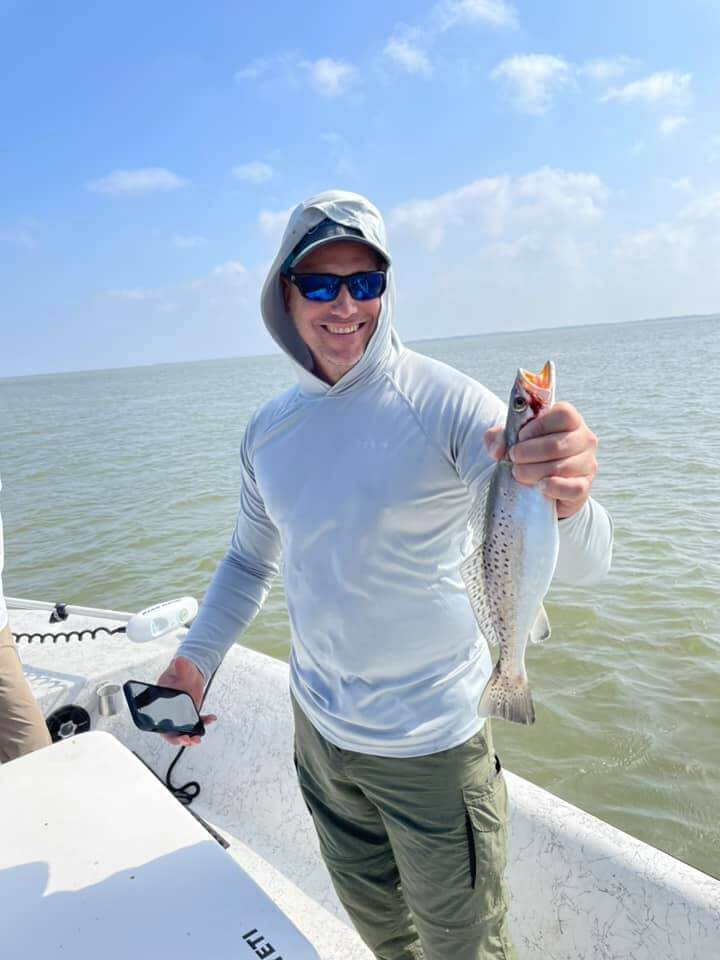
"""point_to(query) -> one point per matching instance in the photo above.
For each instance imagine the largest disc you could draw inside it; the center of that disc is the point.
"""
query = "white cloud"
(667, 243)
(503, 206)
(20, 235)
(577, 198)
(255, 172)
(702, 210)
(533, 78)
(606, 68)
(497, 13)
(232, 270)
(328, 77)
(136, 182)
(668, 87)
(482, 203)
(187, 241)
(510, 253)
(407, 55)
(264, 66)
(682, 185)
(681, 251)
(671, 123)
(272, 223)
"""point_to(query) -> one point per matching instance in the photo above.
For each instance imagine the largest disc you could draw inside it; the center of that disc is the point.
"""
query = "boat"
(578, 887)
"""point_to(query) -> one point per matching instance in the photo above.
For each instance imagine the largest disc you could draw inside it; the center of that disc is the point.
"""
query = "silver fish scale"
(488, 571)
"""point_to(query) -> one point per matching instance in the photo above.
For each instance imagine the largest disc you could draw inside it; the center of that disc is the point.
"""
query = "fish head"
(531, 395)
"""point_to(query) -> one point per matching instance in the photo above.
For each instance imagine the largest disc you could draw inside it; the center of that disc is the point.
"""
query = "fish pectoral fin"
(540, 631)
(476, 517)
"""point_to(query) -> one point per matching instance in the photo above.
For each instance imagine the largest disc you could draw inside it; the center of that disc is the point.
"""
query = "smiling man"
(332, 287)
(362, 477)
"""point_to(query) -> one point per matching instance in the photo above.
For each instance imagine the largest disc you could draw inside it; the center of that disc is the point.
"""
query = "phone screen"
(162, 709)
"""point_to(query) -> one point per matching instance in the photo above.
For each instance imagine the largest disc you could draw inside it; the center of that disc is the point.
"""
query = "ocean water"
(120, 489)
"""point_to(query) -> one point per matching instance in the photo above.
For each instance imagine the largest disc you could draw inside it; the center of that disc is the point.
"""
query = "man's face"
(324, 327)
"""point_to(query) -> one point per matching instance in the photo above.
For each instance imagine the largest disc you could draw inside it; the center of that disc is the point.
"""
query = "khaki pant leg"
(355, 847)
(446, 817)
(22, 726)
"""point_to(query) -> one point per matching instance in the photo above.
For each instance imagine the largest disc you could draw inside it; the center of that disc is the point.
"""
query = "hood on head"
(354, 211)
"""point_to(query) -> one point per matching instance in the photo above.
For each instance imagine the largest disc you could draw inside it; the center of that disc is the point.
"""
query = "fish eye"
(519, 404)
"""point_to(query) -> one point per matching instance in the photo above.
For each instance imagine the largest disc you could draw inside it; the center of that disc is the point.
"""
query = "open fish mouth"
(543, 380)
(538, 387)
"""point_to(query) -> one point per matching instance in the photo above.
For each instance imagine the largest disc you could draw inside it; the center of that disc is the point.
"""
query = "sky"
(537, 164)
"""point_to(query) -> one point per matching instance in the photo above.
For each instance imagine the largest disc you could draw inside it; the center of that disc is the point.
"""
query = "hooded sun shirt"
(364, 489)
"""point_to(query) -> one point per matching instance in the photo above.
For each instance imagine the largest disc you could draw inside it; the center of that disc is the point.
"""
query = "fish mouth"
(542, 381)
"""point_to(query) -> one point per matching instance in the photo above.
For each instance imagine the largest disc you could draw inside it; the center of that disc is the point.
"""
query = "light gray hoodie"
(364, 488)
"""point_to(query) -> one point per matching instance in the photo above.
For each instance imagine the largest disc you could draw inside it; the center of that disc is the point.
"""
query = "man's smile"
(342, 328)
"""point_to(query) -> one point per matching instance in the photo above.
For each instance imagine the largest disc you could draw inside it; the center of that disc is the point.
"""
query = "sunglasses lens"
(366, 286)
(324, 287)
(318, 286)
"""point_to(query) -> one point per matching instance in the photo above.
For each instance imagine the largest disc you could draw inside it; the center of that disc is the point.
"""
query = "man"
(363, 476)
(22, 727)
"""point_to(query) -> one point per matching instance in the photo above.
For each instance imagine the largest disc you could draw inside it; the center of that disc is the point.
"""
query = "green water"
(120, 489)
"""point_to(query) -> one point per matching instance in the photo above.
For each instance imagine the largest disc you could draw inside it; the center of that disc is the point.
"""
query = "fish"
(508, 574)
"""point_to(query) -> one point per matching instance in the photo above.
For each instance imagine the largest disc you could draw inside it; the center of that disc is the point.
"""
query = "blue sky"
(538, 164)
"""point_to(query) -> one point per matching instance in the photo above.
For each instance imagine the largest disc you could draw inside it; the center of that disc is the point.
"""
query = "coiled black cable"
(67, 637)
(190, 790)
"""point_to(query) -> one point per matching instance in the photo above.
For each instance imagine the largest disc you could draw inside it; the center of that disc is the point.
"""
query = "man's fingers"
(184, 739)
(560, 418)
(582, 465)
(569, 492)
(181, 740)
(552, 447)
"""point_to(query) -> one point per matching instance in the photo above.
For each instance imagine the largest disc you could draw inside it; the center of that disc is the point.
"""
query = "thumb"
(182, 666)
(495, 442)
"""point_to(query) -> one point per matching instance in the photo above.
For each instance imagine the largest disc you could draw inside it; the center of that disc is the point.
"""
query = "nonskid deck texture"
(579, 888)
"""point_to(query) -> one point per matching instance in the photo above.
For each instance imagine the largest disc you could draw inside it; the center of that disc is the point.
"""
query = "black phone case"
(142, 724)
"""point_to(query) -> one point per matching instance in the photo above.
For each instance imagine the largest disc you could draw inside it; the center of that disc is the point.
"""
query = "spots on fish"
(488, 573)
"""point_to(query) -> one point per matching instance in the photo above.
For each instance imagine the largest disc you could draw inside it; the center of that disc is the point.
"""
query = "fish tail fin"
(508, 698)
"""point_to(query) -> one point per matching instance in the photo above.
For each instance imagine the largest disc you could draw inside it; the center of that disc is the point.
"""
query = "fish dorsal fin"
(540, 631)
(476, 517)
(474, 578)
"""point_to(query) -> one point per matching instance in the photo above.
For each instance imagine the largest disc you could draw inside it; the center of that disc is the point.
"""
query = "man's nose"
(344, 305)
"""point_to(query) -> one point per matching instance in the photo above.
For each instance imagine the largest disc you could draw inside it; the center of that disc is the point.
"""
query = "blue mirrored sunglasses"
(325, 287)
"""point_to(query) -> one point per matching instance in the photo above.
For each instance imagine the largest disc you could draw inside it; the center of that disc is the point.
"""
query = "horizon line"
(279, 352)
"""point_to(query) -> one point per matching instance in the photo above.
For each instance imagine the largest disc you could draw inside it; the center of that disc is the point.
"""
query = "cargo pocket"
(486, 825)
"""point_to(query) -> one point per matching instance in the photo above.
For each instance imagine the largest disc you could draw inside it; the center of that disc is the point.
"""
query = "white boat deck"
(580, 889)
(96, 855)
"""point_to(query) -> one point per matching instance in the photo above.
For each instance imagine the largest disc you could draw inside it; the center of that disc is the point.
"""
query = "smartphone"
(162, 709)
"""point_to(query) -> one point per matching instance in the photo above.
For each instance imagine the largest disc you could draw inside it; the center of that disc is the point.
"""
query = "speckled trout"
(509, 573)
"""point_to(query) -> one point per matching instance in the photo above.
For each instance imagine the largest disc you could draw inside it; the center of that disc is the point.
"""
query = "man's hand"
(182, 674)
(556, 451)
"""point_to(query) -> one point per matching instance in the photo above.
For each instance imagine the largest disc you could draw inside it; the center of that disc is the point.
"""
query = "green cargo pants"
(416, 847)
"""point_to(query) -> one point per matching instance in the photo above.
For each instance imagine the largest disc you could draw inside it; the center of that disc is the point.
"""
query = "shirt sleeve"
(586, 543)
(241, 581)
